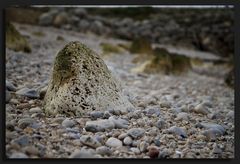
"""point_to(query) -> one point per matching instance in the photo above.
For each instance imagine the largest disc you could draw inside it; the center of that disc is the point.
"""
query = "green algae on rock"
(161, 61)
(81, 82)
(14, 40)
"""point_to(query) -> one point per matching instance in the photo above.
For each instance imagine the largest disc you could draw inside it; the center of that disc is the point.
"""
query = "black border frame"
(236, 5)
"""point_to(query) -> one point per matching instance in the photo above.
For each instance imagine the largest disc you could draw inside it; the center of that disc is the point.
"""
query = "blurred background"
(186, 31)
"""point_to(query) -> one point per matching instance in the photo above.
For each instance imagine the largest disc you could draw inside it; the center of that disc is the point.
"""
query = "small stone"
(30, 93)
(10, 126)
(160, 123)
(153, 151)
(127, 140)
(42, 92)
(103, 150)
(202, 109)
(182, 116)
(136, 132)
(10, 86)
(22, 141)
(230, 115)
(135, 150)
(119, 123)
(25, 122)
(212, 126)
(113, 142)
(35, 110)
(96, 114)
(212, 134)
(90, 141)
(31, 150)
(83, 153)
(152, 111)
(99, 125)
(67, 123)
(177, 131)
(18, 155)
(122, 136)
(163, 154)
(143, 146)
(216, 149)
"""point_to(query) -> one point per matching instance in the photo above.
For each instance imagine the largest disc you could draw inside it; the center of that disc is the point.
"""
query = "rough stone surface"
(80, 82)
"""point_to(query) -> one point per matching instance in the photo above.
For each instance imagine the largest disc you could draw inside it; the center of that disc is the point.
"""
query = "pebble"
(230, 115)
(160, 123)
(127, 140)
(119, 123)
(182, 116)
(153, 151)
(99, 125)
(67, 123)
(143, 146)
(22, 140)
(216, 149)
(212, 126)
(42, 92)
(90, 141)
(113, 142)
(202, 109)
(10, 86)
(136, 132)
(96, 114)
(31, 150)
(35, 110)
(152, 111)
(122, 136)
(103, 150)
(30, 93)
(135, 150)
(163, 154)
(83, 153)
(25, 122)
(18, 155)
(177, 131)
(212, 134)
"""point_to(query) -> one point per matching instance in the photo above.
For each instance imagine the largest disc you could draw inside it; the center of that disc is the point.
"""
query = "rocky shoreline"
(188, 116)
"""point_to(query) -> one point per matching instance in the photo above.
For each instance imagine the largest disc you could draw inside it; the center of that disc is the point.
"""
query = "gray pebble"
(35, 110)
(127, 140)
(10, 86)
(25, 122)
(103, 150)
(122, 136)
(152, 111)
(113, 142)
(67, 123)
(202, 109)
(83, 153)
(136, 132)
(106, 115)
(96, 114)
(135, 150)
(160, 123)
(18, 155)
(30, 93)
(90, 141)
(119, 123)
(212, 126)
(177, 131)
(99, 125)
(230, 115)
(182, 116)
(22, 141)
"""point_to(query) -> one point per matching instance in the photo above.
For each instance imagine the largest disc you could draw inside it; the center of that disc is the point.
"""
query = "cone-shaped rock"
(81, 82)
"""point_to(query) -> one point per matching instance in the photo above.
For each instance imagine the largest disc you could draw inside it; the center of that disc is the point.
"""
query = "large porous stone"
(81, 82)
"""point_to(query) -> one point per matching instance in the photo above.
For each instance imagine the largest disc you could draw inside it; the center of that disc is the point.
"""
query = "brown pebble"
(153, 151)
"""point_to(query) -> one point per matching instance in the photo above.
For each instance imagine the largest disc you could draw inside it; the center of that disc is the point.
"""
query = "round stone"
(114, 142)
